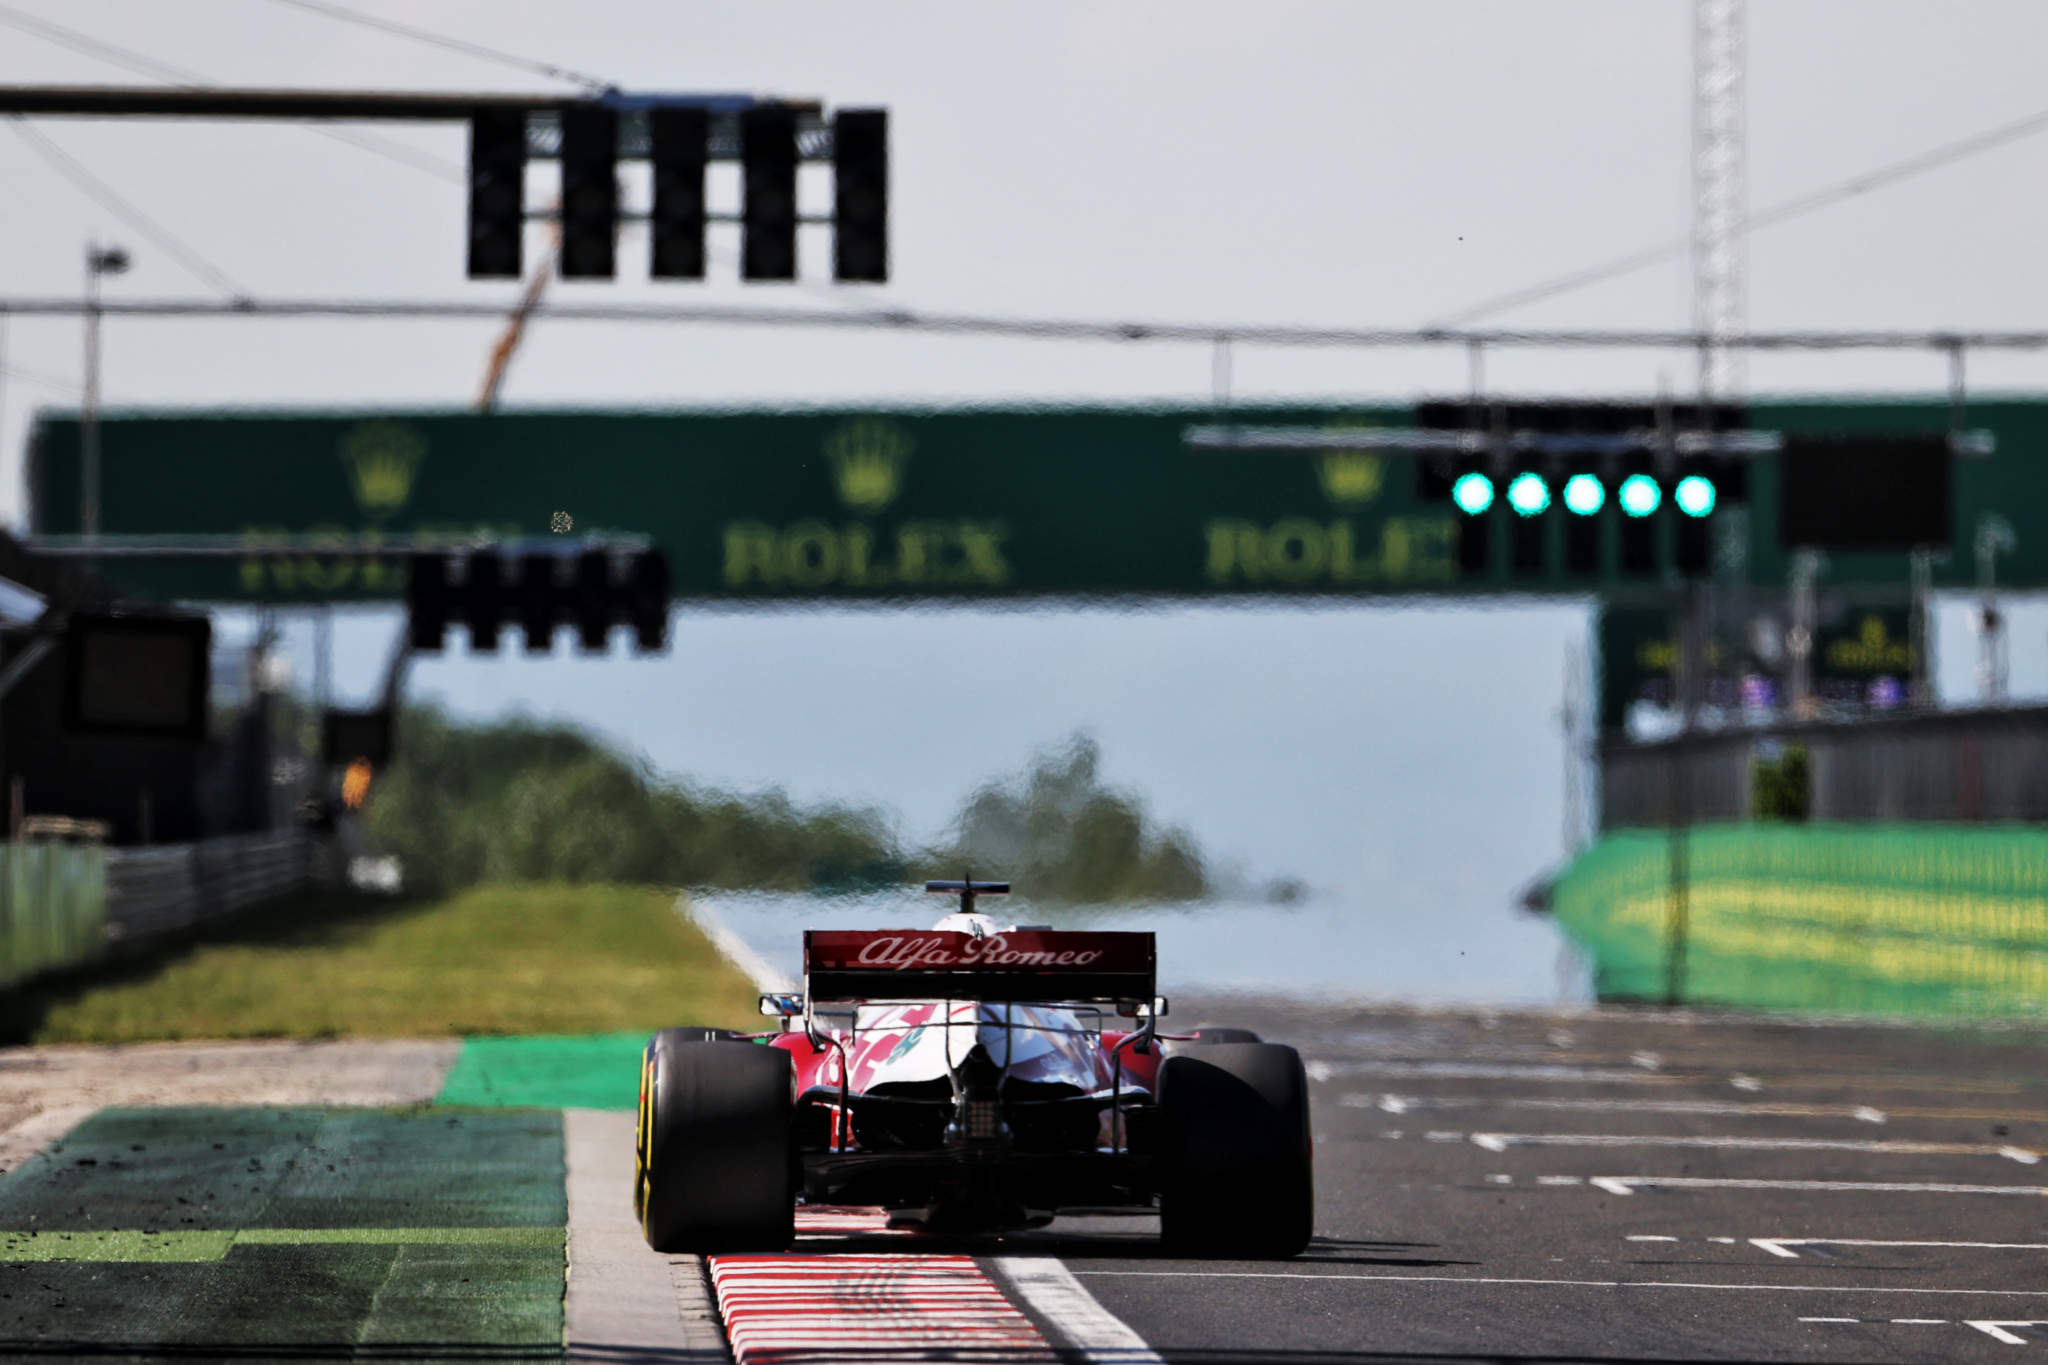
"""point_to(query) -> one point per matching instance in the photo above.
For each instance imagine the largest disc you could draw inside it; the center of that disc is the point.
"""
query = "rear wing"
(1026, 966)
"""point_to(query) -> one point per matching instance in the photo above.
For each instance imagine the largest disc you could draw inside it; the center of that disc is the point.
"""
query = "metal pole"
(89, 403)
(1799, 638)
(1691, 680)
(1219, 371)
(1919, 691)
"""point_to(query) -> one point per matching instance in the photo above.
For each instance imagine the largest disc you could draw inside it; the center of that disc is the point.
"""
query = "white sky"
(1357, 164)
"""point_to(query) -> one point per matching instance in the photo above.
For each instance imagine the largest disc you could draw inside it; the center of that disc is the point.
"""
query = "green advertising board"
(853, 504)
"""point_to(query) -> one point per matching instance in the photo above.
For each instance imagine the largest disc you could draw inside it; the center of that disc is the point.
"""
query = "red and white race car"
(973, 1077)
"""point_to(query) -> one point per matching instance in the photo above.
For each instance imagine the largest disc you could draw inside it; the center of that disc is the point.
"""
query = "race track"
(1492, 1187)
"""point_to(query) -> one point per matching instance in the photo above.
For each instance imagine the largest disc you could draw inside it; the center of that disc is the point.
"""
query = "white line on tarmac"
(1089, 1331)
(1782, 1246)
(1500, 1142)
(1629, 1184)
(1348, 1276)
(1402, 1104)
(765, 975)
(1996, 1330)
(38, 1131)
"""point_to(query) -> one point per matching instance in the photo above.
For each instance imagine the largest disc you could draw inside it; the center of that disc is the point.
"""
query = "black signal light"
(497, 193)
(860, 202)
(590, 191)
(678, 140)
(768, 210)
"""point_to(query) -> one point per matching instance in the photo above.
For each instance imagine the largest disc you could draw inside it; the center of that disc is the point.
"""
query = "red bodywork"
(983, 1079)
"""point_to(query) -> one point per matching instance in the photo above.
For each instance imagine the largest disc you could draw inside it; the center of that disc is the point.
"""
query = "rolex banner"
(807, 505)
(766, 506)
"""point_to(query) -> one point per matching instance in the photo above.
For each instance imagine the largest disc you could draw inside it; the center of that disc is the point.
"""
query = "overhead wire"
(1031, 328)
(447, 43)
(73, 170)
(130, 60)
(1799, 205)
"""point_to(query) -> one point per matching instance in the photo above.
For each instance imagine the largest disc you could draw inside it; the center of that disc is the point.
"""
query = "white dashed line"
(1629, 1184)
(1500, 1142)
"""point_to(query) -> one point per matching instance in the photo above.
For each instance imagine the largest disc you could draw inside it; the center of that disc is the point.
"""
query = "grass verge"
(500, 959)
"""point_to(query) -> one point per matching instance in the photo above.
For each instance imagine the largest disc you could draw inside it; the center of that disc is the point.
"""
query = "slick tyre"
(1202, 1035)
(714, 1145)
(1234, 1156)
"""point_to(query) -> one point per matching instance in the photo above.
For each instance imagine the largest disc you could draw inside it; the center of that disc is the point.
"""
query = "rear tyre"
(1235, 1176)
(714, 1150)
(1202, 1034)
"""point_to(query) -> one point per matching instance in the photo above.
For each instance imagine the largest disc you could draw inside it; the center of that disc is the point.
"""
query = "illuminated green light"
(1639, 495)
(1528, 494)
(1584, 495)
(1473, 493)
(1694, 495)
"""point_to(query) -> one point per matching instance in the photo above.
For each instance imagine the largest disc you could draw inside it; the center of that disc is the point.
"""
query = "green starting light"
(1694, 495)
(1473, 493)
(1528, 494)
(1639, 495)
(1584, 495)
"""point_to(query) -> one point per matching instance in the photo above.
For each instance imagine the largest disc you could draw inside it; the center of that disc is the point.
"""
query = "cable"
(68, 166)
(1032, 329)
(1795, 207)
(179, 76)
(467, 48)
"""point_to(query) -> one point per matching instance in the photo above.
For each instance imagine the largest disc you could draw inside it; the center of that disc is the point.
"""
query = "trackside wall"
(53, 907)
(1871, 919)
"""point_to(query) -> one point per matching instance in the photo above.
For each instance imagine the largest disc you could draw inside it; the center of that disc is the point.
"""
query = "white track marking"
(1649, 1237)
(1920, 1322)
(621, 1297)
(1831, 1319)
(1087, 1330)
(1500, 1142)
(1648, 1061)
(1401, 1104)
(1506, 1071)
(1996, 1330)
(1349, 1277)
(1629, 1184)
(1782, 1246)
(765, 975)
(1560, 1180)
(1745, 1082)
(38, 1131)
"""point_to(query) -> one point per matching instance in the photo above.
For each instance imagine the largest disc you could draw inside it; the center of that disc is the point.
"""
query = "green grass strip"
(493, 960)
(211, 1244)
(595, 1071)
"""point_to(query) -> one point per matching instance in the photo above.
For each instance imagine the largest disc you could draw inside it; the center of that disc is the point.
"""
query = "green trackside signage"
(846, 504)
(800, 505)
(1867, 919)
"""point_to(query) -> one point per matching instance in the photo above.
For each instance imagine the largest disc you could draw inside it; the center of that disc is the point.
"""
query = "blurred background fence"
(1975, 765)
(53, 907)
(62, 905)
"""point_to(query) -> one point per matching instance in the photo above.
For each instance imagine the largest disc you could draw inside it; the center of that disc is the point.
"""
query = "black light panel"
(1864, 492)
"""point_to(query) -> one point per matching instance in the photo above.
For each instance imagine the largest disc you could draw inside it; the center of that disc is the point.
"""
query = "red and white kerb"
(797, 1308)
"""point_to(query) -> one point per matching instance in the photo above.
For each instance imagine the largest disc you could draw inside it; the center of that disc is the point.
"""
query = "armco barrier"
(62, 905)
(53, 907)
(1868, 919)
(156, 892)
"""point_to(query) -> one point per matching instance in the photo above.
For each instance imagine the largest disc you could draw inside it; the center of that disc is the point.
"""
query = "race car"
(975, 1077)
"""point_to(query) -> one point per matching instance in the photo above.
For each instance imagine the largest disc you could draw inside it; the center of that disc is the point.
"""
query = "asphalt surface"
(1493, 1188)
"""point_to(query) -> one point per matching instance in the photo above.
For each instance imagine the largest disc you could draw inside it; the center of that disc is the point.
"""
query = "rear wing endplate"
(1025, 966)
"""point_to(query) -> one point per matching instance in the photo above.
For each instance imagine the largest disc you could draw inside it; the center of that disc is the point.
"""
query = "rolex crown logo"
(867, 456)
(381, 459)
(1350, 476)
